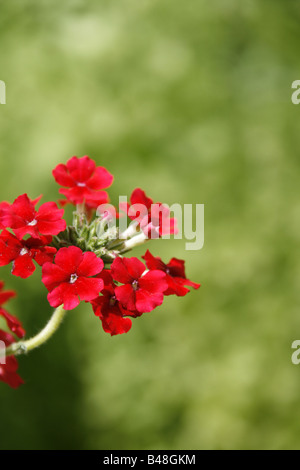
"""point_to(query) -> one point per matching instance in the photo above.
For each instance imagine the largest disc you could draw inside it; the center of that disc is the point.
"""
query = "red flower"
(22, 253)
(175, 274)
(8, 371)
(109, 309)
(141, 292)
(84, 181)
(154, 219)
(70, 277)
(22, 217)
(12, 322)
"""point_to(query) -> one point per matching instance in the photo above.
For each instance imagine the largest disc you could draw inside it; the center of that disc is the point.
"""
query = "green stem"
(22, 347)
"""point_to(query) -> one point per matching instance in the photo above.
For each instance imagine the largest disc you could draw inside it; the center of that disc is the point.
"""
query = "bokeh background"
(192, 102)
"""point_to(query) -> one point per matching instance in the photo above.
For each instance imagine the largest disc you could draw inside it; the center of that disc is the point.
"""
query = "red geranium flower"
(84, 181)
(22, 253)
(70, 277)
(154, 219)
(22, 217)
(175, 274)
(8, 371)
(142, 292)
(109, 309)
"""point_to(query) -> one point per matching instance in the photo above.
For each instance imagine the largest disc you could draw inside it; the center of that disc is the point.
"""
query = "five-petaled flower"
(23, 219)
(142, 291)
(71, 277)
(110, 311)
(21, 253)
(175, 274)
(84, 181)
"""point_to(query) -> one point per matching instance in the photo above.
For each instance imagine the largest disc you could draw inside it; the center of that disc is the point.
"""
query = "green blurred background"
(192, 102)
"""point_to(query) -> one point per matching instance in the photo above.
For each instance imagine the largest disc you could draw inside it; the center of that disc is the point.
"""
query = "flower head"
(142, 292)
(175, 274)
(70, 277)
(84, 181)
(24, 219)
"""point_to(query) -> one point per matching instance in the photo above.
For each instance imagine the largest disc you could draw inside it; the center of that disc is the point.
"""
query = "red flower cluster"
(72, 258)
(8, 371)
(141, 290)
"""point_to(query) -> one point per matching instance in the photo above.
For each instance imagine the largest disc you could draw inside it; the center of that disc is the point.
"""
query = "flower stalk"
(23, 347)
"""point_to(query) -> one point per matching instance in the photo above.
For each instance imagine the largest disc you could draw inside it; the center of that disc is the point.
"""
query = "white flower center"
(23, 252)
(32, 223)
(73, 278)
(81, 185)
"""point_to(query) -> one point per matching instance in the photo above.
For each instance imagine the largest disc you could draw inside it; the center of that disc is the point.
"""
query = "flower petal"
(154, 281)
(126, 295)
(62, 176)
(115, 324)
(69, 259)
(153, 262)
(146, 302)
(53, 276)
(64, 294)
(90, 265)
(119, 271)
(23, 266)
(101, 179)
(88, 288)
(81, 169)
(138, 196)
